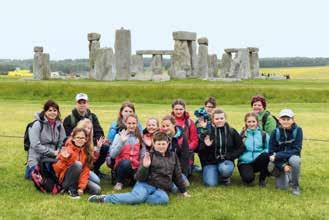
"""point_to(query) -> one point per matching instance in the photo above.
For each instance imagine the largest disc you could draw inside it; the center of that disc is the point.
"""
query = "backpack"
(44, 178)
(264, 119)
(277, 136)
(27, 142)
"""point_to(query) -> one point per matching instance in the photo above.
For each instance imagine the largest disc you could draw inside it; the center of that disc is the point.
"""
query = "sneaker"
(262, 183)
(270, 167)
(118, 186)
(100, 174)
(295, 191)
(227, 181)
(97, 198)
(196, 169)
(73, 194)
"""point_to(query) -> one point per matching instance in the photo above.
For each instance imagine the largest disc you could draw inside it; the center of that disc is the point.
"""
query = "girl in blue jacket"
(255, 158)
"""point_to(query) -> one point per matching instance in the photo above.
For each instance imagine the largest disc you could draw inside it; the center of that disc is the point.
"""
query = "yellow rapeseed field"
(316, 72)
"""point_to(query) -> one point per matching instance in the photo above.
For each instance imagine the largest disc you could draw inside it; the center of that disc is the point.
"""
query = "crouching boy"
(158, 171)
(285, 148)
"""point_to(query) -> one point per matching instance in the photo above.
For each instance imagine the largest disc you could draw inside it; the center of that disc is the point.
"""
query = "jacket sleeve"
(112, 132)
(273, 145)
(142, 173)
(67, 126)
(62, 137)
(270, 124)
(267, 143)
(98, 130)
(239, 147)
(34, 134)
(84, 176)
(295, 148)
(177, 176)
(193, 139)
(116, 146)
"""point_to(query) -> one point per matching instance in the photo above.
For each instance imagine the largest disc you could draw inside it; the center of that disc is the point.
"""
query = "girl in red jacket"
(74, 163)
(183, 120)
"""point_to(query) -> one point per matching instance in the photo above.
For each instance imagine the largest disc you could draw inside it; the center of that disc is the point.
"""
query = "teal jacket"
(253, 140)
(270, 124)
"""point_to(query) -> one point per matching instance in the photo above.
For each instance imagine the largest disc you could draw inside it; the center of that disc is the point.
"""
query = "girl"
(178, 144)
(152, 126)
(266, 121)
(218, 150)
(255, 157)
(182, 119)
(126, 149)
(46, 136)
(74, 163)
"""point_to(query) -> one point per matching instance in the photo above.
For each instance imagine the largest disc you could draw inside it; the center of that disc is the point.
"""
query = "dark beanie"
(258, 98)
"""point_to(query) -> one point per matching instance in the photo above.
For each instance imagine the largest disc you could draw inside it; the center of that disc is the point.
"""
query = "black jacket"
(227, 145)
(163, 171)
(68, 126)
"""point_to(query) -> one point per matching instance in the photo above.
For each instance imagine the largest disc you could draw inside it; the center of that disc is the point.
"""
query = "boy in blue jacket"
(285, 151)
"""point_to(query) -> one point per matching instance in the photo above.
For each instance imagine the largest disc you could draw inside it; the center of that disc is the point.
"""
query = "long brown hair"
(83, 124)
(137, 132)
(120, 117)
(87, 148)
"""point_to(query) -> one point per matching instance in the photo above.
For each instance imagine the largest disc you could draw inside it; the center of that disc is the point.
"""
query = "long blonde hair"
(90, 137)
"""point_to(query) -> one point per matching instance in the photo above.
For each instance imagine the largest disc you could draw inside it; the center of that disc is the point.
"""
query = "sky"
(279, 28)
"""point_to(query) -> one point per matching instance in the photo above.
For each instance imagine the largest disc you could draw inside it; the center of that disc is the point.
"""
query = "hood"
(77, 115)
(250, 131)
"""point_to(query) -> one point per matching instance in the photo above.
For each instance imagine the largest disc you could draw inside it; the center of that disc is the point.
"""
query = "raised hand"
(203, 122)
(123, 135)
(185, 194)
(147, 160)
(207, 141)
(100, 142)
(65, 153)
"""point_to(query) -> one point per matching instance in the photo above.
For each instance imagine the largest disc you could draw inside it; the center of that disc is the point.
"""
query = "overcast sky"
(280, 28)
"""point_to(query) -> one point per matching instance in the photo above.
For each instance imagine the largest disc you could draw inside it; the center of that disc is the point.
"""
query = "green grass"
(20, 199)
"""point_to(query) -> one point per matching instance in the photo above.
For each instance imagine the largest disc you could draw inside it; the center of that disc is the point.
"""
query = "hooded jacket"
(253, 142)
(270, 123)
(44, 143)
(98, 130)
(75, 154)
(227, 145)
(114, 129)
(163, 172)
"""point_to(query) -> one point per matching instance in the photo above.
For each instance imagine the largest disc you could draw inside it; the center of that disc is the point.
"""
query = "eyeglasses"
(209, 106)
(80, 138)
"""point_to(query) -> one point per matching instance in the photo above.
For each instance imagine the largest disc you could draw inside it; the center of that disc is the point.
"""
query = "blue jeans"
(142, 192)
(282, 181)
(93, 185)
(28, 172)
(212, 173)
(174, 188)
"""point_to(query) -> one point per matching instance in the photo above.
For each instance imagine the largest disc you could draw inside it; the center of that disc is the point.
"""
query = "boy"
(285, 148)
(155, 177)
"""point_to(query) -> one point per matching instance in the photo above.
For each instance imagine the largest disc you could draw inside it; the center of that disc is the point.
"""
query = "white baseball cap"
(81, 96)
(286, 112)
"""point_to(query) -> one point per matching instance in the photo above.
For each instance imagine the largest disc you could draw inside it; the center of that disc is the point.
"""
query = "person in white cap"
(80, 112)
(285, 151)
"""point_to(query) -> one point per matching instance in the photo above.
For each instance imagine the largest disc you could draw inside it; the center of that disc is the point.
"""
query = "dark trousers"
(72, 175)
(124, 171)
(247, 171)
(102, 157)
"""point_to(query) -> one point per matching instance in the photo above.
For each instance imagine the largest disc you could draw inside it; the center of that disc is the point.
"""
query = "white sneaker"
(118, 186)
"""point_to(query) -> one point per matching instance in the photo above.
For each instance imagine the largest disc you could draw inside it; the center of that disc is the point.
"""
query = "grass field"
(19, 198)
(307, 94)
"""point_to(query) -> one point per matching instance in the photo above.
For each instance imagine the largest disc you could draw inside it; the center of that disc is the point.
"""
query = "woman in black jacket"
(219, 147)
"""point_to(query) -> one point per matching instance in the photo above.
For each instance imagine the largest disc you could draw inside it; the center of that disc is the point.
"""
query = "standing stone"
(240, 64)
(226, 65)
(254, 64)
(94, 45)
(156, 64)
(122, 53)
(203, 58)
(181, 60)
(104, 64)
(137, 64)
(212, 66)
(194, 58)
(41, 66)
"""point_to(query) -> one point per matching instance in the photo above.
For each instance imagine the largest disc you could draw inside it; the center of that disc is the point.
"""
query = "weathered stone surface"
(240, 66)
(155, 52)
(41, 66)
(203, 61)
(254, 64)
(226, 65)
(137, 64)
(253, 49)
(156, 64)
(160, 77)
(184, 35)
(144, 76)
(94, 36)
(38, 49)
(194, 58)
(93, 47)
(212, 66)
(122, 53)
(104, 64)
(181, 60)
(203, 40)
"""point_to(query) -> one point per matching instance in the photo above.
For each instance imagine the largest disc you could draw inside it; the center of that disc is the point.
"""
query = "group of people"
(160, 158)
